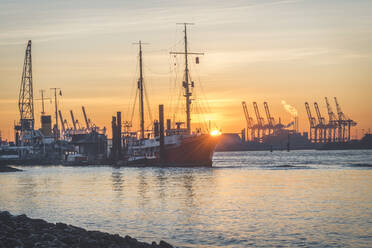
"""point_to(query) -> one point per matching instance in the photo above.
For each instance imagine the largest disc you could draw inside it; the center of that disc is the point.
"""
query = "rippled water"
(259, 199)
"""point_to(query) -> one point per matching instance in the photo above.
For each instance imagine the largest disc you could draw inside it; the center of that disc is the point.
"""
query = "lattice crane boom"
(331, 115)
(341, 115)
(248, 118)
(309, 115)
(26, 95)
(260, 120)
(62, 122)
(270, 119)
(321, 119)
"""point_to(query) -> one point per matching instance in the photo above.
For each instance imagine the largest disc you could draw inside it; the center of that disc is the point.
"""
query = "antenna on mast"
(186, 84)
(42, 101)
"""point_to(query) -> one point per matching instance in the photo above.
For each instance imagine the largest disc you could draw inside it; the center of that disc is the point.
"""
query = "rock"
(4, 228)
(42, 244)
(89, 243)
(20, 218)
(61, 226)
(21, 231)
(12, 242)
(6, 218)
(164, 244)
(77, 229)
(5, 215)
(153, 244)
(48, 237)
(68, 239)
(114, 246)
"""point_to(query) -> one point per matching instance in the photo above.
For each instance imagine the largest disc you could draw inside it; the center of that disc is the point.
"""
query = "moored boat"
(177, 146)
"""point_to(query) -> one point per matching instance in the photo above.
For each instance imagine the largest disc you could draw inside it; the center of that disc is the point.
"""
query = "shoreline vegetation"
(22, 231)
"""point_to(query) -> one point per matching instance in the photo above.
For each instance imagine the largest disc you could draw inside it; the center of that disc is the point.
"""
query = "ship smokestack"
(168, 124)
(161, 129)
(156, 128)
(114, 138)
(118, 130)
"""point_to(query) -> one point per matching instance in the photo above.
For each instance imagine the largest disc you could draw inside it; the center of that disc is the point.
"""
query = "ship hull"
(193, 151)
(196, 151)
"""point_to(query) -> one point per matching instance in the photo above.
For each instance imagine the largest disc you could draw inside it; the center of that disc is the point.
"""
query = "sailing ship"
(178, 146)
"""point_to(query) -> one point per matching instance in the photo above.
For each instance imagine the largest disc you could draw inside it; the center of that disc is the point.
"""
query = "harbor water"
(248, 199)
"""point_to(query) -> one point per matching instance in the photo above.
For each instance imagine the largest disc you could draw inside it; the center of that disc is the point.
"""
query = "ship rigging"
(187, 84)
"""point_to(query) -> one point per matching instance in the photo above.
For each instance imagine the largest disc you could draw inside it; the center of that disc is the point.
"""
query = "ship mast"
(140, 88)
(56, 110)
(186, 84)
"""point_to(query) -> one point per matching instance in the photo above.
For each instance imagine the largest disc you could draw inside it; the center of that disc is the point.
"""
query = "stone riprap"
(21, 231)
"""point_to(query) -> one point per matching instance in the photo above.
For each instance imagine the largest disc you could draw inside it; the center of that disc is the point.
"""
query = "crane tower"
(26, 99)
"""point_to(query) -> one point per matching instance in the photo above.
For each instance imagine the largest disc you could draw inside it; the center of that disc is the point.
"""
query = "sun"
(215, 132)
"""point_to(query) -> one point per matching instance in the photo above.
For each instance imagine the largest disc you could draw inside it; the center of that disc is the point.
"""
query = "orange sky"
(270, 51)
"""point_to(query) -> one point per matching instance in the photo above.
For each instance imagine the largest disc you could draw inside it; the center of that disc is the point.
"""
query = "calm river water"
(258, 199)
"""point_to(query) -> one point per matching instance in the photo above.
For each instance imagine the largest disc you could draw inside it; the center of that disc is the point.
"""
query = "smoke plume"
(290, 109)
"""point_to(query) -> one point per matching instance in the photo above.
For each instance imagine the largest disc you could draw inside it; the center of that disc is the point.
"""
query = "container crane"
(321, 124)
(260, 122)
(270, 119)
(73, 120)
(344, 122)
(332, 123)
(249, 121)
(312, 122)
(66, 124)
(85, 118)
(62, 122)
(78, 124)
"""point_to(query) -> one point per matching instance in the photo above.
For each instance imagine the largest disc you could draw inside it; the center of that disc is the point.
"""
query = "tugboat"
(176, 147)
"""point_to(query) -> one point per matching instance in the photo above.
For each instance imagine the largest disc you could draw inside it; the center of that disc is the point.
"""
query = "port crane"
(344, 122)
(270, 119)
(260, 122)
(333, 122)
(25, 129)
(321, 126)
(62, 122)
(85, 118)
(312, 122)
(73, 120)
(249, 121)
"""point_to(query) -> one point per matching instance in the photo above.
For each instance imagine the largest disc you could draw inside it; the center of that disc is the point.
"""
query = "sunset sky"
(255, 50)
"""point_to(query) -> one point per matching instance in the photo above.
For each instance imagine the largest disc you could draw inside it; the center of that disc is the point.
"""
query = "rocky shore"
(21, 231)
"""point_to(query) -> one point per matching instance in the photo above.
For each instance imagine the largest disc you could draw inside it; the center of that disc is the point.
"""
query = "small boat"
(76, 159)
